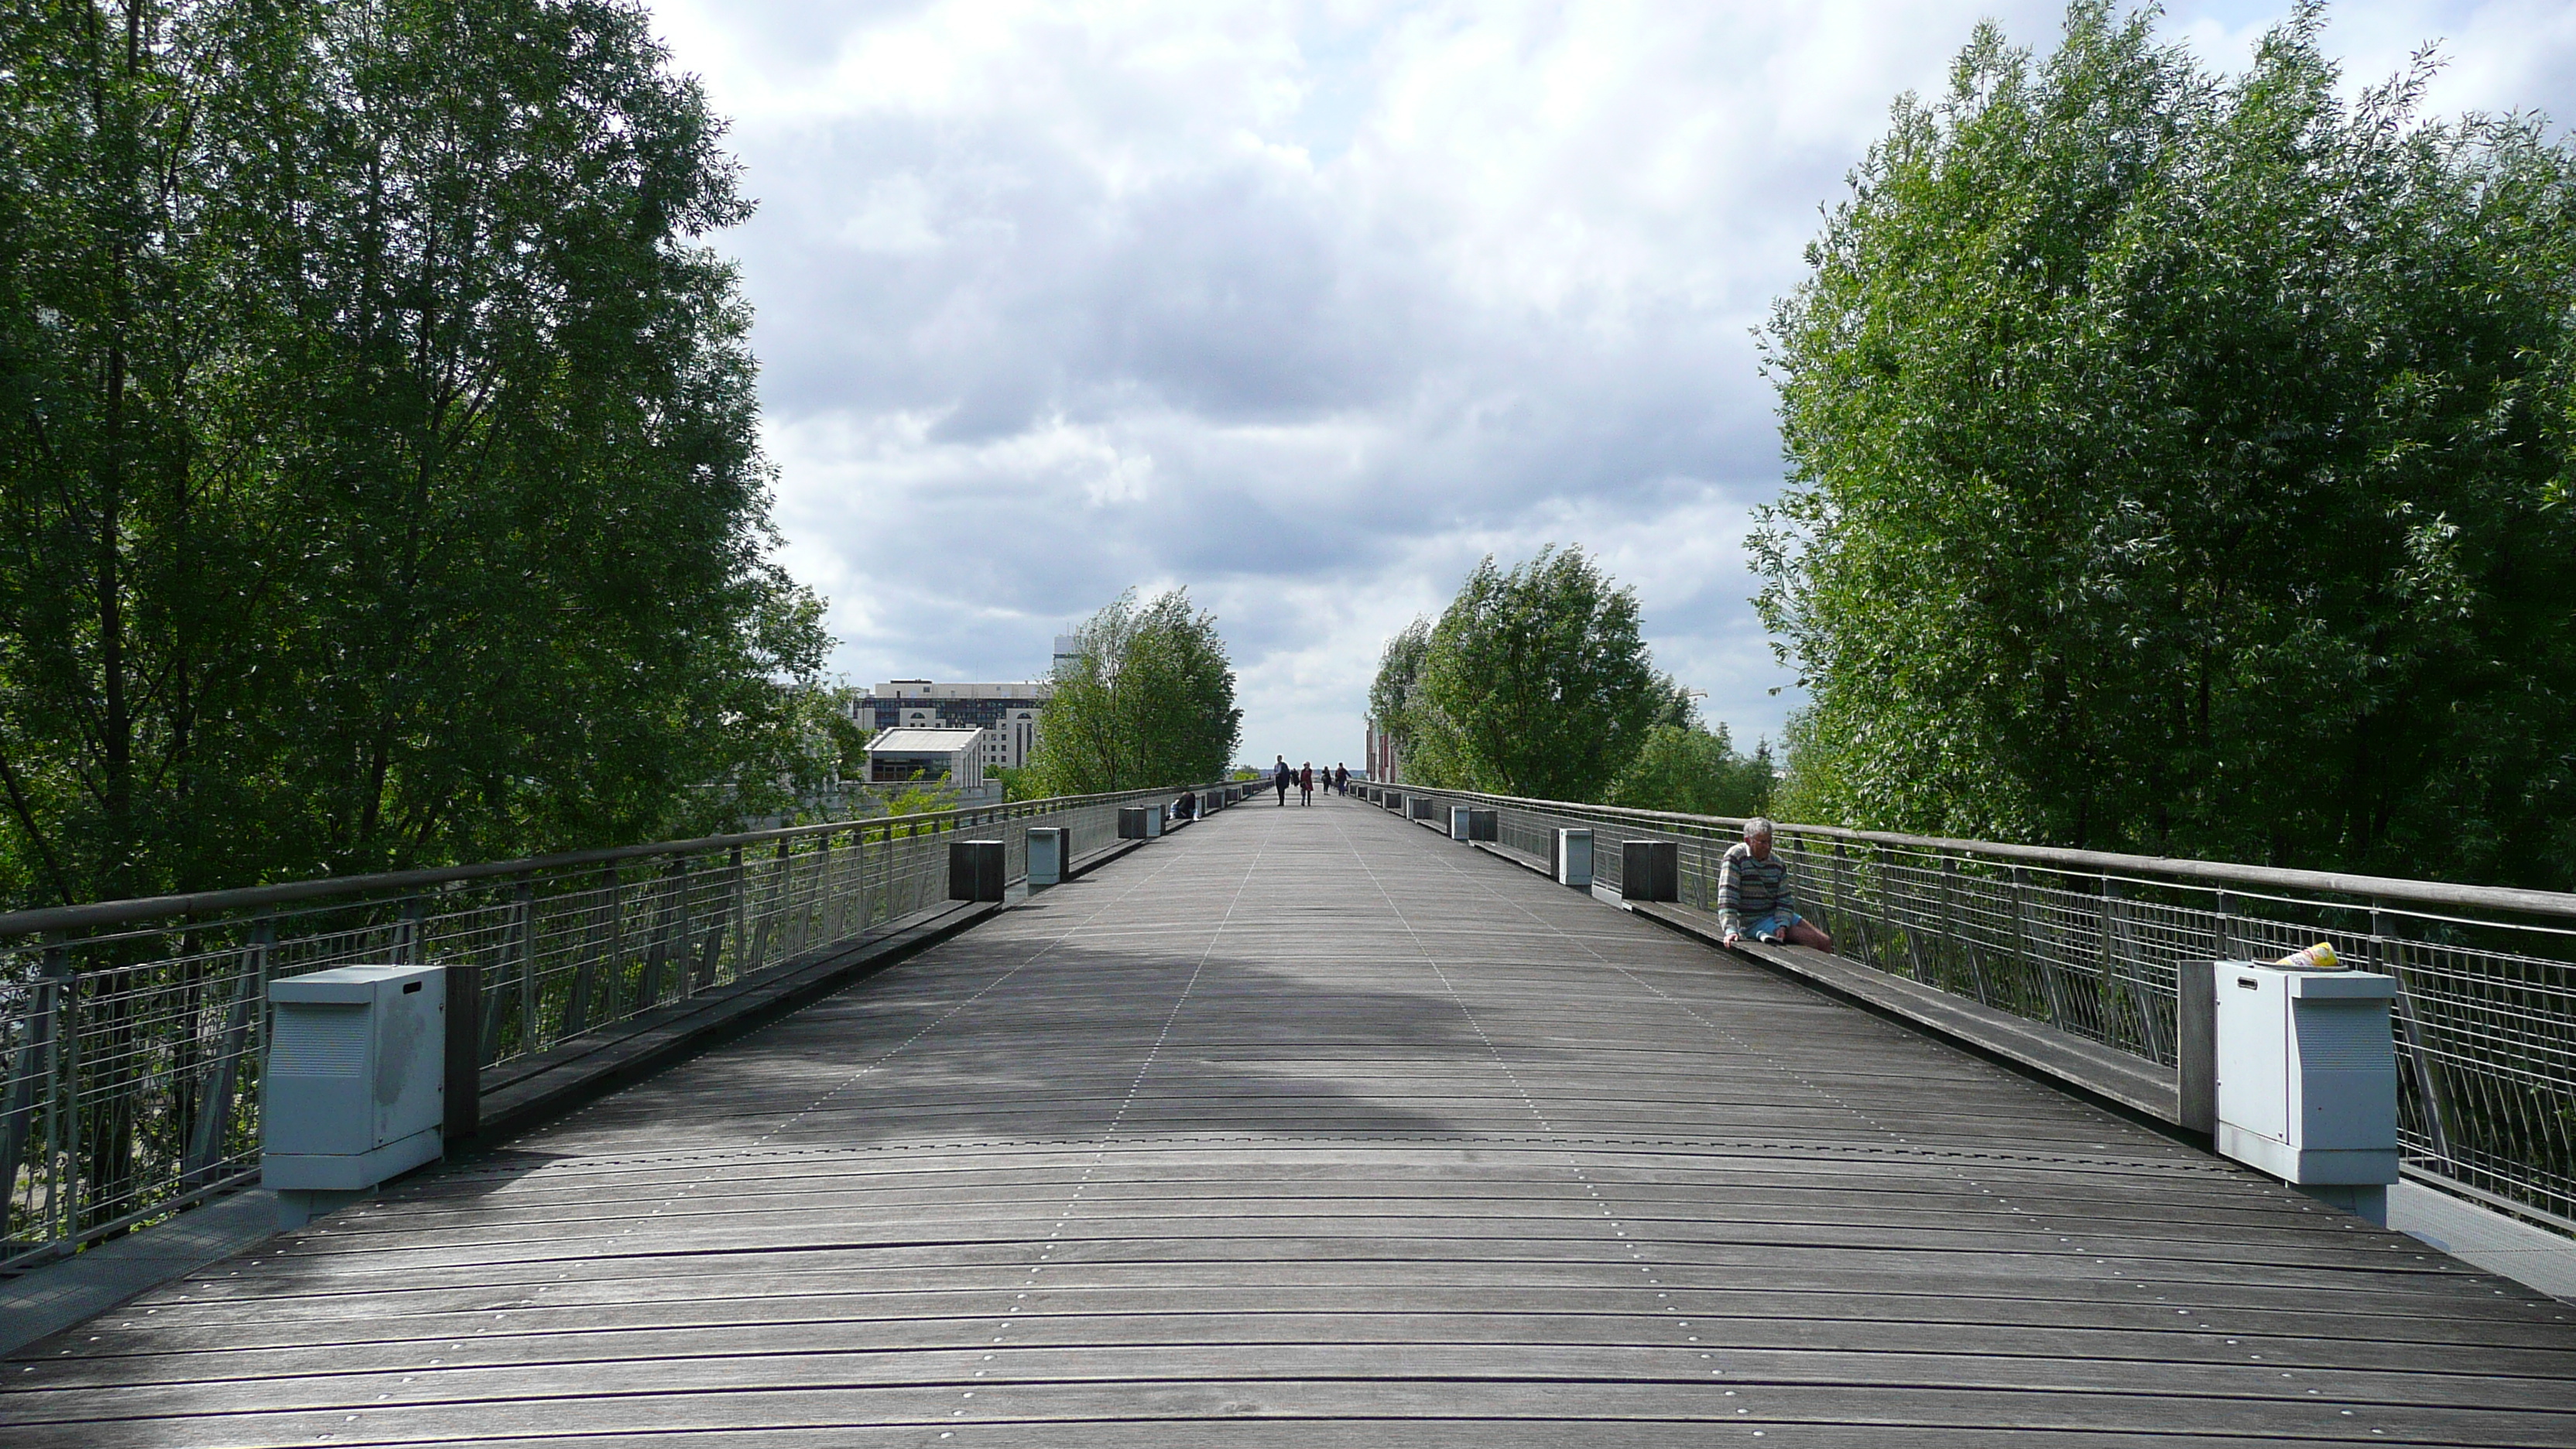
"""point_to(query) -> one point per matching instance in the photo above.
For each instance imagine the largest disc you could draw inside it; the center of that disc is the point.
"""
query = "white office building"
(951, 757)
(1008, 713)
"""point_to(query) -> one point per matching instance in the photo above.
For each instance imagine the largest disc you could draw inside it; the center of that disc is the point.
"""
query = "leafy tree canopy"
(1537, 683)
(2181, 463)
(1399, 674)
(1146, 701)
(1696, 771)
(1534, 682)
(376, 445)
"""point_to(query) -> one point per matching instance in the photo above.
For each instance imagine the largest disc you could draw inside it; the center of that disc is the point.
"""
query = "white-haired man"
(1753, 894)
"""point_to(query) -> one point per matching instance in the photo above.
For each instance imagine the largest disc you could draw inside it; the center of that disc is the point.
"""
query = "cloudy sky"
(1308, 306)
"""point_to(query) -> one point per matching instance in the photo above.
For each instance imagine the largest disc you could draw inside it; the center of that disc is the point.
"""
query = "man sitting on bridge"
(1753, 894)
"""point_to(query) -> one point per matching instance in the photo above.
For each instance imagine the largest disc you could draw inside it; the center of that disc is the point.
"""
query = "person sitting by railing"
(1186, 807)
(1753, 894)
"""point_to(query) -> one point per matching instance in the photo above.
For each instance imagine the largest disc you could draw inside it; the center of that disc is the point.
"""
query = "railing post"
(777, 896)
(790, 929)
(612, 975)
(666, 913)
(740, 912)
(727, 887)
(407, 932)
(821, 893)
(1913, 920)
(2107, 965)
(2115, 967)
(34, 1072)
(206, 1140)
(2049, 986)
(576, 1012)
(1961, 947)
(859, 843)
(495, 1003)
(1842, 910)
(693, 948)
(523, 932)
(63, 1115)
(2420, 1061)
(1869, 919)
(833, 884)
(886, 849)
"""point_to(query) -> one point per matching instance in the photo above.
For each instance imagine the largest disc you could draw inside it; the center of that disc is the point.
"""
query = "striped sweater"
(1749, 889)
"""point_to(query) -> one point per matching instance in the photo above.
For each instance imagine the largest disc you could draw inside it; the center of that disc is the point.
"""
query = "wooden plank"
(1225, 1358)
(517, 1095)
(1021, 1409)
(1825, 1324)
(1335, 1132)
(2129, 1080)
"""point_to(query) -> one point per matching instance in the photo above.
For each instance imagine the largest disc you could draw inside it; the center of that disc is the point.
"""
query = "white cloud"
(1308, 306)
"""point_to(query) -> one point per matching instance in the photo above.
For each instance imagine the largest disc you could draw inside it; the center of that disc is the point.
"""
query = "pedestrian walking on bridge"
(1306, 783)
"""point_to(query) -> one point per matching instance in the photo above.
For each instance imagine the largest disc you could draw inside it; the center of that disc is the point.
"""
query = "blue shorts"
(1773, 927)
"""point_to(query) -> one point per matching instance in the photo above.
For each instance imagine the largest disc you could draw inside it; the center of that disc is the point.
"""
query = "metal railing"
(132, 1032)
(2091, 944)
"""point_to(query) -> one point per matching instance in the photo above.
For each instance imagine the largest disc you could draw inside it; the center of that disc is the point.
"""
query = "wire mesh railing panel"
(132, 1033)
(2094, 945)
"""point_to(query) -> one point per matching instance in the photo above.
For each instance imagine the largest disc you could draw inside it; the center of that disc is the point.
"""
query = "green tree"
(1695, 771)
(1018, 783)
(376, 445)
(1535, 683)
(1392, 694)
(2180, 463)
(1147, 700)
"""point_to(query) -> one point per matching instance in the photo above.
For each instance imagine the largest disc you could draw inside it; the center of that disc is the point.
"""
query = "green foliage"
(922, 799)
(1146, 701)
(2181, 463)
(378, 483)
(1392, 695)
(1534, 683)
(1018, 782)
(843, 736)
(1682, 767)
(818, 746)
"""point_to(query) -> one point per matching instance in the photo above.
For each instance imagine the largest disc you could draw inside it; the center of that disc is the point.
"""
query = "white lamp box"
(1046, 855)
(2307, 1073)
(355, 1089)
(1574, 858)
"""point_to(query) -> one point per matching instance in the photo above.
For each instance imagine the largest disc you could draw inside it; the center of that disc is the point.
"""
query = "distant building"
(1381, 754)
(1008, 713)
(953, 757)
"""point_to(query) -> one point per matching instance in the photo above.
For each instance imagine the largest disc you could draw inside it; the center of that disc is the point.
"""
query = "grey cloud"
(1079, 323)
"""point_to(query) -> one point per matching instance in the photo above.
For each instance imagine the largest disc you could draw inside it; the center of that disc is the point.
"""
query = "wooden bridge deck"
(1310, 1121)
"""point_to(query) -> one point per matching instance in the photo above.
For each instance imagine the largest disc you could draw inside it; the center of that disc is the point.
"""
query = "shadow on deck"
(1312, 1123)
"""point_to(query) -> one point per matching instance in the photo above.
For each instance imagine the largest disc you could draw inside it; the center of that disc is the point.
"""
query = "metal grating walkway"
(1311, 1121)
